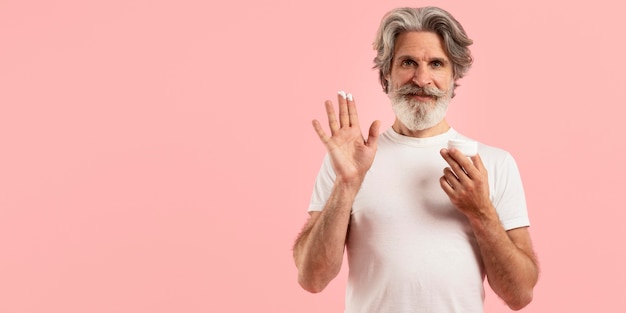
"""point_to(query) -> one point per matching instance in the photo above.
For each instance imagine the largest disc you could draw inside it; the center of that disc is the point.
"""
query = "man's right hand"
(351, 155)
(318, 251)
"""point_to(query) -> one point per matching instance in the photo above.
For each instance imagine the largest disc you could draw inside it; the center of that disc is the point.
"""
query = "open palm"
(350, 153)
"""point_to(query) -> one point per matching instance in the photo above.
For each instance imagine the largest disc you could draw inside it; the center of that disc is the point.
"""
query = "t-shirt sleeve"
(323, 186)
(509, 198)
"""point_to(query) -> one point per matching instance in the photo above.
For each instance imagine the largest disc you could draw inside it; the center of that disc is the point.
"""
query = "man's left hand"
(465, 182)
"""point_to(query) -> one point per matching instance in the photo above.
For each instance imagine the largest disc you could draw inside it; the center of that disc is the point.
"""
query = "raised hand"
(351, 154)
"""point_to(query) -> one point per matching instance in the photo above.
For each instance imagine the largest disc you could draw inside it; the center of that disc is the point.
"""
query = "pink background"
(157, 156)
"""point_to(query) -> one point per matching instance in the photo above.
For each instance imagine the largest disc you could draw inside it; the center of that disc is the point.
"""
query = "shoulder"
(493, 154)
(494, 158)
(489, 153)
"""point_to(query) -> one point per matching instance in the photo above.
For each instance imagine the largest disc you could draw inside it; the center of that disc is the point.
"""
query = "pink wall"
(157, 156)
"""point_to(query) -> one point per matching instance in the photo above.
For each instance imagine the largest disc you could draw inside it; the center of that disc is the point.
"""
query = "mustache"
(411, 89)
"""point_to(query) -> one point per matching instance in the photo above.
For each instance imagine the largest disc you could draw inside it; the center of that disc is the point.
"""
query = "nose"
(422, 77)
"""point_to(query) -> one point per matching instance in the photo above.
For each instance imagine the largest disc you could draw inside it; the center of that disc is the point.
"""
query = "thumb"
(372, 137)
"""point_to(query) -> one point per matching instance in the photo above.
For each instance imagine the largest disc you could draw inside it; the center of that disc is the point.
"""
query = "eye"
(437, 63)
(408, 63)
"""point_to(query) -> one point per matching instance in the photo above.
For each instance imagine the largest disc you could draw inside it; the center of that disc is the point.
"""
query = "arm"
(318, 251)
(508, 257)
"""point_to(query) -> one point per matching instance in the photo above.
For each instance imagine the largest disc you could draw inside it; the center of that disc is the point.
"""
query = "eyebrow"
(408, 57)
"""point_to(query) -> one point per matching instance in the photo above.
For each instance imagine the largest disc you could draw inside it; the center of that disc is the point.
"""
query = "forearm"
(512, 270)
(318, 251)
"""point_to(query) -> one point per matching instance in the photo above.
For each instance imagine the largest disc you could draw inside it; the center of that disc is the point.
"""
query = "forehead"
(419, 45)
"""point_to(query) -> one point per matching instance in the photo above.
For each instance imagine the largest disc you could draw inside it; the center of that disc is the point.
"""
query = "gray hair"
(430, 19)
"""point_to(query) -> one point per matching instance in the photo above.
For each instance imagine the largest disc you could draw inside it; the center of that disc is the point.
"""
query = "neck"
(438, 129)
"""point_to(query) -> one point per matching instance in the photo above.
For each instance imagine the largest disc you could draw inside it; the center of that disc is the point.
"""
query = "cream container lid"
(468, 147)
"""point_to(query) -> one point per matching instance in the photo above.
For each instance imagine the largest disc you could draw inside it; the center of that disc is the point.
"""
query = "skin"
(508, 256)
(419, 58)
(318, 251)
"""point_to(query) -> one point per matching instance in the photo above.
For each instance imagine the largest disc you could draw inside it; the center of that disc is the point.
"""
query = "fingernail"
(349, 96)
(342, 93)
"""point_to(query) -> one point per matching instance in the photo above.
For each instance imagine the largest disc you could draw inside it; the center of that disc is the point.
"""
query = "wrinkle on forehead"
(420, 46)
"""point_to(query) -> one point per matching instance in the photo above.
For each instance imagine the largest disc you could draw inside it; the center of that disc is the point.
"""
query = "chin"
(418, 116)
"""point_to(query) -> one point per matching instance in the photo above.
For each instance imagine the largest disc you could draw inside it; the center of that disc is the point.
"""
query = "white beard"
(417, 115)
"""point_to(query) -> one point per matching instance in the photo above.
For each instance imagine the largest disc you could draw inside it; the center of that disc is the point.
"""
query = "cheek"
(444, 82)
(400, 79)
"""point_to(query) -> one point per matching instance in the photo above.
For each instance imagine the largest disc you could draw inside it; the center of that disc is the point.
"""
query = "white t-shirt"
(409, 249)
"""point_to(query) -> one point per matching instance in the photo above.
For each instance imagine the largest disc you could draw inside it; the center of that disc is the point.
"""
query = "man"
(423, 225)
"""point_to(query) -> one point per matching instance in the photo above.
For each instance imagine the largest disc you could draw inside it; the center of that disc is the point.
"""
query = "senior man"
(422, 224)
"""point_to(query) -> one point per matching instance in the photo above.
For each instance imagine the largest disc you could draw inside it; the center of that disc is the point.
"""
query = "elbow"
(315, 280)
(315, 276)
(311, 284)
(520, 301)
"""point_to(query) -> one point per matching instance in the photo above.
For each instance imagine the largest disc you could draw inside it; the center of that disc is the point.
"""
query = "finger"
(332, 118)
(445, 185)
(478, 163)
(465, 163)
(451, 178)
(320, 132)
(344, 118)
(353, 116)
(372, 137)
(451, 156)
